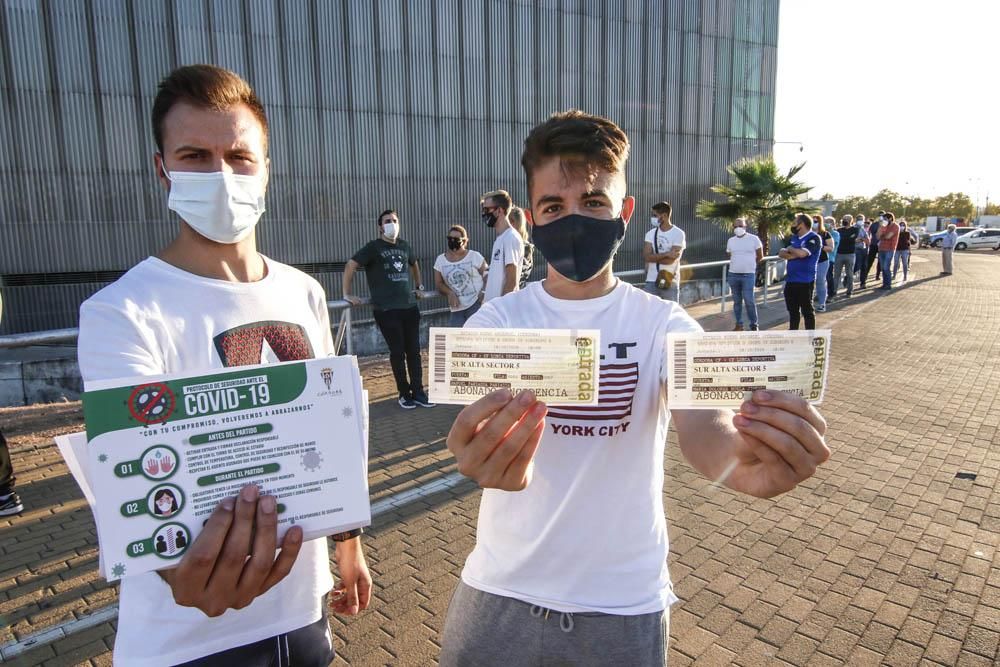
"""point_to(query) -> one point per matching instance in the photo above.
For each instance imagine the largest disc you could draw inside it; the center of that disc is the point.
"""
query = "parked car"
(935, 239)
(981, 238)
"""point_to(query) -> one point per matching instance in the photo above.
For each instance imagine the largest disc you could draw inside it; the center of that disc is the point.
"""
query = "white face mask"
(220, 206)
(653, 222)
(390, 230)
(740, 231)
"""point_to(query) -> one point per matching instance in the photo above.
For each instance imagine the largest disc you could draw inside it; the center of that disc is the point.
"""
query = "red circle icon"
(151, 403)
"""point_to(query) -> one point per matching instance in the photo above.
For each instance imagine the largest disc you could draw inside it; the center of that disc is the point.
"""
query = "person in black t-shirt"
(843, 267)
(389, 264)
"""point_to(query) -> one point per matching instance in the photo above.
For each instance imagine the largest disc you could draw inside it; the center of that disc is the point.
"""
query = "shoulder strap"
(656, 245)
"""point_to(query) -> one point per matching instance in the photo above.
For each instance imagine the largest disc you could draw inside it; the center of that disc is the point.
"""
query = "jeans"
(904, 257)
(672, 293)
(742, 286)
(860, 259)
(458, 318)
(798, 298)
(311, 645)
(885, 261)
(401, 330)
(830, 289)
(843, 274)
(6, 468)
(821, 270)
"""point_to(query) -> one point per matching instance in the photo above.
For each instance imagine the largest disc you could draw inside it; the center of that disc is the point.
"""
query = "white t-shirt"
(462, 277)
(662, 242)
(588, 533)
(159, 319)
(743, 253)
(508, 248)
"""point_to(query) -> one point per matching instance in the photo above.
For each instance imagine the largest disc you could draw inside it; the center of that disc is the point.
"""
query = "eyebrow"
(202, 149)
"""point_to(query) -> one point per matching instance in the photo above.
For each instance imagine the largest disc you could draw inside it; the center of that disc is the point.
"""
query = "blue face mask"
(578, 246)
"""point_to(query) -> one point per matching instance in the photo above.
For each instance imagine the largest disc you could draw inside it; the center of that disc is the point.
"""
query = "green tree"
(992, 209)
(954, 205)
(758, 192)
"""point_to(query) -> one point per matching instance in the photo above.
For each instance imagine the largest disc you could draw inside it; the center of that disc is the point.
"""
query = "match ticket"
(559, 365)
(720, 370)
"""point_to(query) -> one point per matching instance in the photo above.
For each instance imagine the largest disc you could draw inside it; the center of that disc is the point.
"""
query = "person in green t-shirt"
(389, 264)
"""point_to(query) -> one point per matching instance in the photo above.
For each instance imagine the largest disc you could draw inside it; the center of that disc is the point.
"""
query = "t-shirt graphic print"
(249, 344)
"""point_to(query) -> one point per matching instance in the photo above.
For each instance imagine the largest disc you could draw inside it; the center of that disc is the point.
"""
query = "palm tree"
(760, 193)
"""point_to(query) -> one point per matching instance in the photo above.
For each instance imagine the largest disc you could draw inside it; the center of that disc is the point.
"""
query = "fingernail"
(503, 395)
(762, 395)
(740, 420)
(228, 504)
(526, 398)
(749, 408)
(539, 409)
(249, 493)
(268, 504)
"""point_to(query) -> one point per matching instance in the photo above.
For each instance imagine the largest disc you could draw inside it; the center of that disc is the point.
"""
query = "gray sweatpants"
(486, 630)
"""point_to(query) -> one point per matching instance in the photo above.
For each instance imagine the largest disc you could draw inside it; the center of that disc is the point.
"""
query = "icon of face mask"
(221, 206)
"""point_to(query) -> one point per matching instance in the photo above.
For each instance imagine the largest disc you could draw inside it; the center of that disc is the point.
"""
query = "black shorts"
(310, 646)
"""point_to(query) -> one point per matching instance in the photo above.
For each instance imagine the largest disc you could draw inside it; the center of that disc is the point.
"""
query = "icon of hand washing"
(166, 464)
(153, 467)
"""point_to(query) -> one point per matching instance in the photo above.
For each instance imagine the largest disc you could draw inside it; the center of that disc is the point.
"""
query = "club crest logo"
(327, 375)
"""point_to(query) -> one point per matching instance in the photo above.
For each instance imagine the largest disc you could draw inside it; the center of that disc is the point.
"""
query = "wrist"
(347, 536)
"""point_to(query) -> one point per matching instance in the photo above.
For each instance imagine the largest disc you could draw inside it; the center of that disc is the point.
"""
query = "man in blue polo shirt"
(800, 273)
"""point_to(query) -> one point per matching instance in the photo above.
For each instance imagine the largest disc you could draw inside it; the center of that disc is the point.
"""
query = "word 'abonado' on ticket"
(162, 452)
(559, 365)
(719, 370)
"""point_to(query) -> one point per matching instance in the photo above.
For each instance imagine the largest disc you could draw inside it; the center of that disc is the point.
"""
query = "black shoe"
(11, 505)
(754, 327)
(407, 403)
(420, 398)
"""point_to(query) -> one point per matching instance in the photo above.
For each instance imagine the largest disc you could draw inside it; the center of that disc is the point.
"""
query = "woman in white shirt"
(458, 274)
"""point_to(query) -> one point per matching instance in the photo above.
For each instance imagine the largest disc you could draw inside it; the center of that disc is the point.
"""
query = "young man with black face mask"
(210, 300)
(570, 564)
(508, 248)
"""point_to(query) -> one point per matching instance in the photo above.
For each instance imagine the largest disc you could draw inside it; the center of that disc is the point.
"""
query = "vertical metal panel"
(419, 105)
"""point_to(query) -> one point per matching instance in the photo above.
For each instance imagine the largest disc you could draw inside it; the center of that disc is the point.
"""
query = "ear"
(161, 175)
(267, 174)
(527, 216)
(628, 208)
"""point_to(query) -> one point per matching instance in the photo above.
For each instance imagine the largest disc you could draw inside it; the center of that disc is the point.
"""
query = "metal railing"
(343, 336)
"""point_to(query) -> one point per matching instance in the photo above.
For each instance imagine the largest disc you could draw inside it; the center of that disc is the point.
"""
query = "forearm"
(509, 279)
(415, 273)
(349, 271)
(708, 440)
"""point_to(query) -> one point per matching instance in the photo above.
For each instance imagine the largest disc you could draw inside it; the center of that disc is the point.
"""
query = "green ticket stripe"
(140, 548)
(281, 508)
(134, 508)
(128, 468)
(158, 402)
(231, 434)
(239, 473)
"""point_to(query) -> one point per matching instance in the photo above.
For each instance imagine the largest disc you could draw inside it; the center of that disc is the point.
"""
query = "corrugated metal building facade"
(418, 105)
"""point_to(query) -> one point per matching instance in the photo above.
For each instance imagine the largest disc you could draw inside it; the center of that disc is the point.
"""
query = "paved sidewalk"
(885, 557)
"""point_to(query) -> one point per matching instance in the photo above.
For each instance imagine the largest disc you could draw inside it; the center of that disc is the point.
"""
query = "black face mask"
(578, 246)
(454, 244)
(490, 219)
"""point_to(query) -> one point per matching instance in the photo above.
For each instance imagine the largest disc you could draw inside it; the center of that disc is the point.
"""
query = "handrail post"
(725, 274)
(767, 279)
(350, 331)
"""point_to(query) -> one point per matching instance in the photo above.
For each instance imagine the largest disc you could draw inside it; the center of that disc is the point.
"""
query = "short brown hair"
(578, 138)
(500, 198)
(663, 208)
(206, 87)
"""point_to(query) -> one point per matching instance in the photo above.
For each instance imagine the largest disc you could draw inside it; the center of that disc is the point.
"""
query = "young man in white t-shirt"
(504, 271)
(745, 253)
(570, 563)
(209, 300)
(662, 251)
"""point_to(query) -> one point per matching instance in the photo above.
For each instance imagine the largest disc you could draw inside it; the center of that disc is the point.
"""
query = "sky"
(898, 94)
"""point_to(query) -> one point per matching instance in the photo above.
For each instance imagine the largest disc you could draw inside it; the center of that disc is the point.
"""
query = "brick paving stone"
(883, 557)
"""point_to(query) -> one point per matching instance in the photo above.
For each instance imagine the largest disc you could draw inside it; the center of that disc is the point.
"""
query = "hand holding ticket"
(718, 370)
(558, 365)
